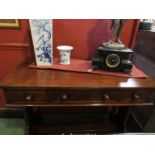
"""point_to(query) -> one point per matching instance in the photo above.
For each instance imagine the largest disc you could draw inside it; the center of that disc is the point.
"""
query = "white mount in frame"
(42, 36)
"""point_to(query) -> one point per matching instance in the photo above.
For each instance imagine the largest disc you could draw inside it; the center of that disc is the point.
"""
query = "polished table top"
(25, 77)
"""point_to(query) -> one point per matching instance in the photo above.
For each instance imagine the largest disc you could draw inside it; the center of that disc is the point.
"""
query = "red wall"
(84, 34)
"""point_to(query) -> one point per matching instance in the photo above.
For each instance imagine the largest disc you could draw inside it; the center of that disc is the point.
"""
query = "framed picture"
(9, 23)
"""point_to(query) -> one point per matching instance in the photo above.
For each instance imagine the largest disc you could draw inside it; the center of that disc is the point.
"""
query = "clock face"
(112, 60)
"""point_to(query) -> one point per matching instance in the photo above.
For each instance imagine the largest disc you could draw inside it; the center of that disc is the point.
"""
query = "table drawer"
(130, 96)
(74, 95)
(25, 96)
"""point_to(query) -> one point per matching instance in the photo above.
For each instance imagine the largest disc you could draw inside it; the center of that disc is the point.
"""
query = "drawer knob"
(106, 97)
(136, 97)
(64, 97)
(28, 98)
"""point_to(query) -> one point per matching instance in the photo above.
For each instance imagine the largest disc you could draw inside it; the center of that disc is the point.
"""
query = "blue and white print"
(65, 57)
(41, 30)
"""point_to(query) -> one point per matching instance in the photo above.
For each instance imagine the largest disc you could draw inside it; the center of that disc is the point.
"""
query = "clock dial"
(112, 60)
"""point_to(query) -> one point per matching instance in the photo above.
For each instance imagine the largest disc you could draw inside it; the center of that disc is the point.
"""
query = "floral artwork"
(64, 57)
(41, 30)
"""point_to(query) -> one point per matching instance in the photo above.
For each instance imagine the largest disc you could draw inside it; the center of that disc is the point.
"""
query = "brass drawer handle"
(28, 98)
(106, 97)
(64, 97)
(136, 96)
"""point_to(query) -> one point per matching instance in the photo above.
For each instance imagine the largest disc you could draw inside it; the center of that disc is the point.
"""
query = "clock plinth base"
(113, 59)
(113, 45)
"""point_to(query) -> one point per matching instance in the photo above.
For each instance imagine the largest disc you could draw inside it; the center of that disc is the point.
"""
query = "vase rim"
(65, 47)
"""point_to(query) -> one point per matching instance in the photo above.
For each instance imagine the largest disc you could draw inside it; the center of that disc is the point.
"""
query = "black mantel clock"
(113, 55)
(113, 59)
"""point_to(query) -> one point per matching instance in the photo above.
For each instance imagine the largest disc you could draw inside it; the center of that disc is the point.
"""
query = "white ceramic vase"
(65, 52)
(41, 30)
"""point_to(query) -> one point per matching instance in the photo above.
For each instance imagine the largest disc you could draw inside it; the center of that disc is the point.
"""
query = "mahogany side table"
(35, 88)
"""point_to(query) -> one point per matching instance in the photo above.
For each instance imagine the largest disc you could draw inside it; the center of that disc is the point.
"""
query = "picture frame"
(9, 23)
